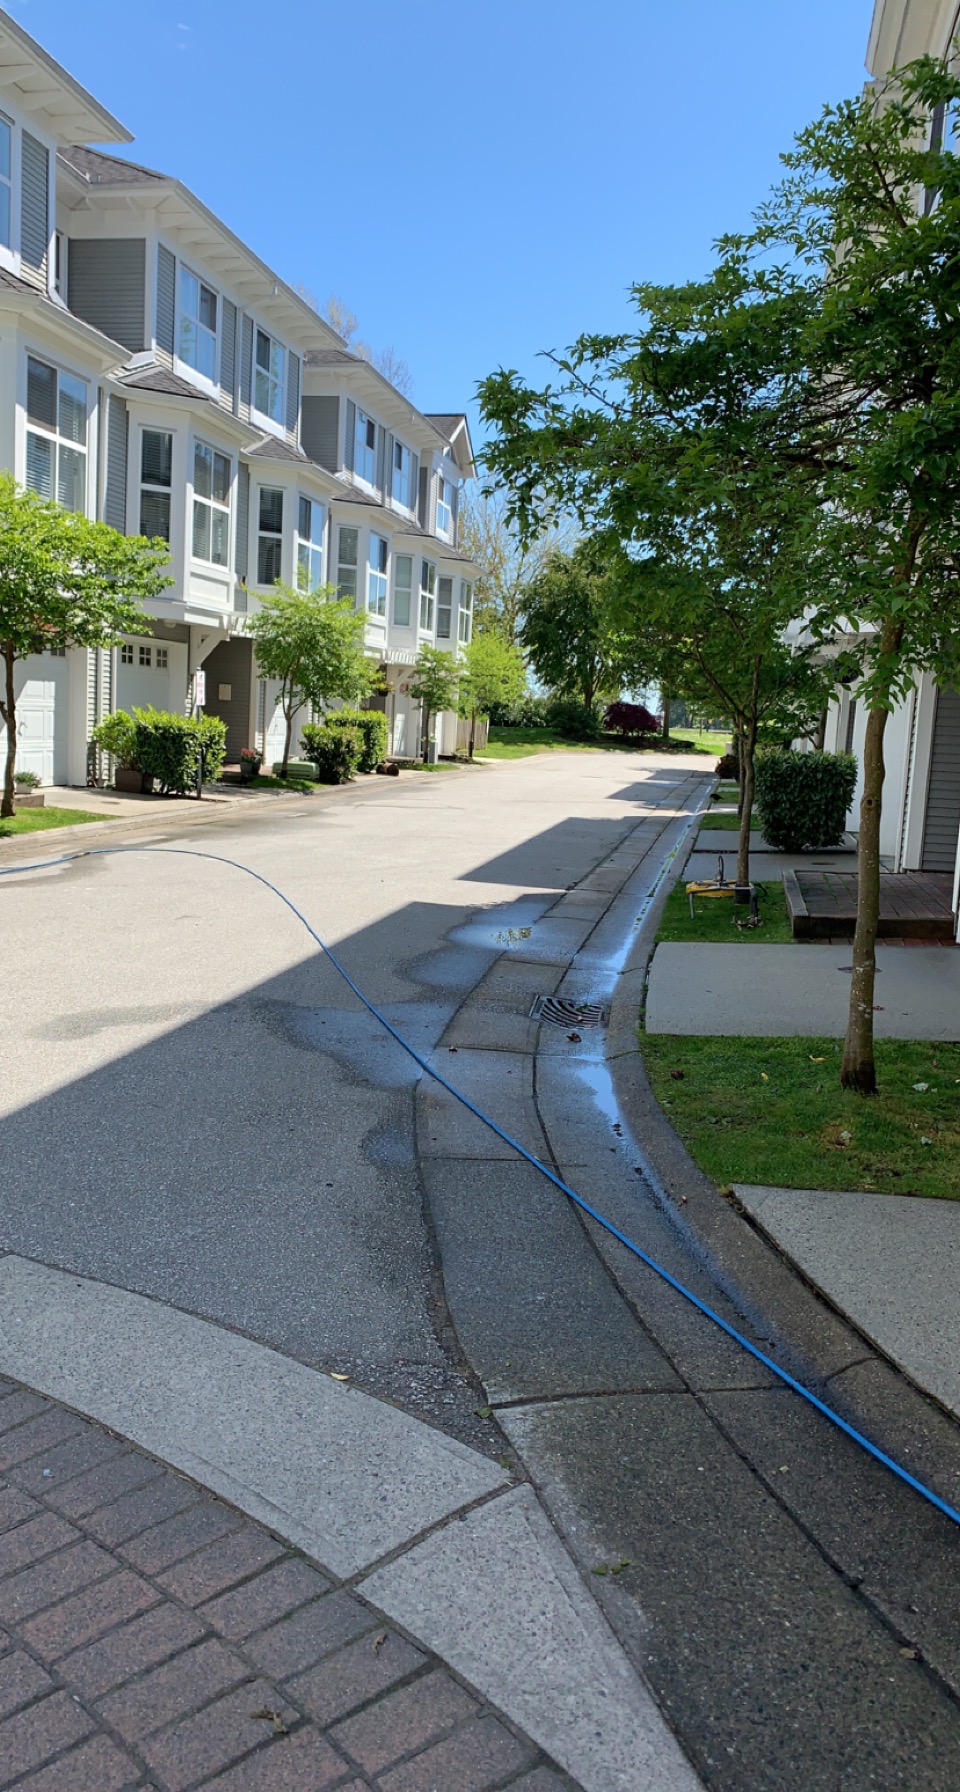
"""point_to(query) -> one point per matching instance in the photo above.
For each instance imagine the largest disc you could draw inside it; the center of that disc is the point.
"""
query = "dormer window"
(198, 324)
(365, 451)
(6, 183)
(444, 506)
(268, 377)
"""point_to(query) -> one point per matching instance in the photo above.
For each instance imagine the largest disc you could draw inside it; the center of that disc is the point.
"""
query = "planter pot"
(129, 778)
(29, 799)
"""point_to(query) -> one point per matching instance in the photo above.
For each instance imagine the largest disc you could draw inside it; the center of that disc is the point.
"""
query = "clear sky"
(477, 179)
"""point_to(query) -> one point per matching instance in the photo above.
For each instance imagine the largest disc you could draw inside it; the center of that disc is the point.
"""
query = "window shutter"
(242, 548)
(115, 490)
(246, 362)
(228, 354)
(35, 206)
(351, 435)
(293, 392)
(166, 284)
(382, 439)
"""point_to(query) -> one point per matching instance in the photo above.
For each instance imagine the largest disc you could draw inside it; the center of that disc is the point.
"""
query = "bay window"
(465, 626)
(211, 504)
(310, 544)
(377, 562)
(156, 466)
(428, 588)
(444, 609)
(365, 448)
(402, 589)
(268, 377)
(347, 563)
(6, 183)
(198, 324)
(56, 435)
(270, 536)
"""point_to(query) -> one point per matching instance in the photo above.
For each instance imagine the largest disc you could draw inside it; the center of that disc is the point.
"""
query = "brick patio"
(150, 1636)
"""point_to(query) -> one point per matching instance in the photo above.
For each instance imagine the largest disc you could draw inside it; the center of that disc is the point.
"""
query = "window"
(402, 589)
(428, 586)
(126, 654)
(57, 653)
(310, 544)
(156, 464)
(402, 486)
(198, 324)
(6, 183)
(444, 506)
(163, 658)
(270, 540)
(211, 505)
(444, 609)
(145, 653)
(365, 448)
(377, 562)
(56, 435)
(465, 626)
(347, 564)
(268, 377)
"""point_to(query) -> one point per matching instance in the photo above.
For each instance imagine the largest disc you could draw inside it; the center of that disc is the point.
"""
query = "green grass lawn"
(714, 821)
(264, 781)
(35, 821)
(713, 917)
(519, 743)
(711, 740)
(772, 1111)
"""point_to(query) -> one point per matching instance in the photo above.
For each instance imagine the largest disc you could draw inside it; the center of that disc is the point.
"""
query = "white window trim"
(209, 381)
(316, 544)
(352, 567)
(369, 485)
(378, 581)
(465, 614)
(408, 504)
(428, 597)
(270, 534)
(10, 252)
(219, 566)
(274, 424)
(48, 434)
(444, 529)
(145, 485)
(410, 592)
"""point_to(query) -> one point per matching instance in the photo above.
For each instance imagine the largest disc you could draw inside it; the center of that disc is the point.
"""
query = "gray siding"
(228, 354)
(350, 435)
(242, 550)
(320, 431)
(166, 297)
(942, 819)
(423, 500)
(293, 392)
(115, 490)
(108, 286)
(34, 209)
(231, 664)
(246, 365)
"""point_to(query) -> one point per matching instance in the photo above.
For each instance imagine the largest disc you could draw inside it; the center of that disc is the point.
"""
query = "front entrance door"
(229, 670)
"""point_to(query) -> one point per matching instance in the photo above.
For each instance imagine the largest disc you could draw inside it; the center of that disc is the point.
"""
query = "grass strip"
(772, 1111)
(37, 821)
(715, 917)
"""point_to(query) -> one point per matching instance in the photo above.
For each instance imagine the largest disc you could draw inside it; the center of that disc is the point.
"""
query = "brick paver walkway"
(150, 1636)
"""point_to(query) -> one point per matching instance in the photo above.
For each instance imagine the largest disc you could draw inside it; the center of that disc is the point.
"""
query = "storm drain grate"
(558, 1011)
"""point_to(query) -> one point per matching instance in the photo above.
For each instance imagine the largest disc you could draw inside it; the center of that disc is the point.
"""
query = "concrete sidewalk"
(799, 990)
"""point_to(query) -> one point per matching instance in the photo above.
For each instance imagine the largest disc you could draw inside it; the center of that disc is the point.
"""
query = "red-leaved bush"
(630, 719)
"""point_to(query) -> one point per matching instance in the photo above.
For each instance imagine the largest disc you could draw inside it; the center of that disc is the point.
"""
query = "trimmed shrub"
(372, 727)
(802, 799)
(117, 735)
(572, 719)
(524, 712)
(728, 766)
(336, 752)
(629, 719)
(167, 747)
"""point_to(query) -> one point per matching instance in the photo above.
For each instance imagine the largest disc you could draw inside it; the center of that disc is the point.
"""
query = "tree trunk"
(8, 710)
(820, 738)
(288, 712)
(665, 724)
(748, 748)
(473, 732)
(858, 1070)
(738, 744)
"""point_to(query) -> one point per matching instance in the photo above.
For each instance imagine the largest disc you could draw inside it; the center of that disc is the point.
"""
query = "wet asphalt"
(195, 1107)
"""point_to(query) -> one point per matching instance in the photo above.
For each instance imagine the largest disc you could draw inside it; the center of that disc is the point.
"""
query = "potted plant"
(116, 735)
(27, 787)
(251, 760)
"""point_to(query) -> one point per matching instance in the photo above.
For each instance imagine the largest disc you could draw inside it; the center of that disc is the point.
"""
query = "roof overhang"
(35, 307)
(38, 84)
(359, 377)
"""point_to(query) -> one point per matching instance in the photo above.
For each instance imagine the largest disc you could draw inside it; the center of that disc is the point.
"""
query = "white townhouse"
(155, 373)
(920, 821)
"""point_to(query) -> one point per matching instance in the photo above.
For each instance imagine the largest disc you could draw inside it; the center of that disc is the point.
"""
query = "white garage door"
(42, 719)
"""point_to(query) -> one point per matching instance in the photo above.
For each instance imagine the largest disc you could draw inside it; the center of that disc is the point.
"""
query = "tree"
(433, 684)
(494, 674)
(346, 323)
(64, 582)
(312, 643)
(877, 276)
(568, 630)
(506, 561)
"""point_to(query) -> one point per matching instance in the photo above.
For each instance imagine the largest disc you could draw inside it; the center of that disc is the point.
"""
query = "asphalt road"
(196, 1108)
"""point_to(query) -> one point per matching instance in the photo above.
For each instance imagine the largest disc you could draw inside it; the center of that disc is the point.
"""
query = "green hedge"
(117, 735)
(167, 747)
(372, 727)
(802, 799)
(336, 752)
(572, 719)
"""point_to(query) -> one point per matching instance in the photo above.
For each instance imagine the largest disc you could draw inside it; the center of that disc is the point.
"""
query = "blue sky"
(477, 181)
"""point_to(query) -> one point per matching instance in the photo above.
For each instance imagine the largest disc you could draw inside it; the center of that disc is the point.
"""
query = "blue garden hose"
(759, 1356)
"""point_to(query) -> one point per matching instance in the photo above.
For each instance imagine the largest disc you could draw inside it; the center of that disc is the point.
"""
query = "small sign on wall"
(224, 693)
(201, 689)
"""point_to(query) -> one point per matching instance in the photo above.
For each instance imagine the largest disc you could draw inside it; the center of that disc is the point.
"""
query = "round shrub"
(336, 751)
(802, 799)
(117, 735)
(372, 727)
(522, 712)
(572, 719)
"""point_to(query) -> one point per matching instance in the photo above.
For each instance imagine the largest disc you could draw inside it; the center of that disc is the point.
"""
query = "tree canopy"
(312, 644)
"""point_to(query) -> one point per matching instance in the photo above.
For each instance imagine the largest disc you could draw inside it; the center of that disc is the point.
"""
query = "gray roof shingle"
(99, 169)
(160, 379)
